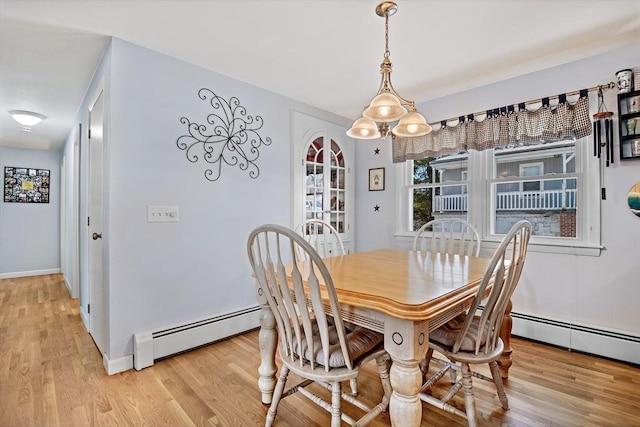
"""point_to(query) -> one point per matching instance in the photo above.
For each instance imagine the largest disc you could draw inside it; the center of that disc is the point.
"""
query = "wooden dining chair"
(313, 341)
(453, 236)
(324, 238)
(475, 338)
(448, 236)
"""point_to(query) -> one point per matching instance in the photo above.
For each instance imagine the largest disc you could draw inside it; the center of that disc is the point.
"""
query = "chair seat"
(360, 341)
(447, 334)
(444, 338)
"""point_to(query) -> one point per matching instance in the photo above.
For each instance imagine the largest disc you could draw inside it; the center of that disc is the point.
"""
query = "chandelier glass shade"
(387, 106)
(412, 124)
(364, 129)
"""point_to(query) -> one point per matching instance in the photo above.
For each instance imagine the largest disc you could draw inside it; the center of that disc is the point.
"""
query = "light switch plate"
(163, 214)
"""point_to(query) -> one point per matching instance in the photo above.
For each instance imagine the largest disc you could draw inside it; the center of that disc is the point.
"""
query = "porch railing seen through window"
(545, 200)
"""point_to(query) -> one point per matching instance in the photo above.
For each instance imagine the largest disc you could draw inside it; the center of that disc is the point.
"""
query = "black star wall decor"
(376, 151)
(376, 208)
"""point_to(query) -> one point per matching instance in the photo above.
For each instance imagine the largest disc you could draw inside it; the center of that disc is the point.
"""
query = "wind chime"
(603, 131)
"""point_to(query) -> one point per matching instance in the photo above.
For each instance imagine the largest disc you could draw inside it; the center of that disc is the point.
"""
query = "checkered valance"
(501, 127)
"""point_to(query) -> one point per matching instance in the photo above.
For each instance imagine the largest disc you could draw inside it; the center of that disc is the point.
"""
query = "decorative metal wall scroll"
(26, 185)
(229, 135)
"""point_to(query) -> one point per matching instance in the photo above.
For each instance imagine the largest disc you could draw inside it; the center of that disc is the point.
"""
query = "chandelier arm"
(384, 85)
(387, 86)
(403, 102)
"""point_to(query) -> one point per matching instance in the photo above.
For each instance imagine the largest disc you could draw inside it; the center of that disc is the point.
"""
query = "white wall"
(76, 159)
(161, 274)
(70, 269)
(30, 232)
(601, 292)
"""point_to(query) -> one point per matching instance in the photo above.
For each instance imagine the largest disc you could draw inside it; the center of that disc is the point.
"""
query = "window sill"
(564, 248)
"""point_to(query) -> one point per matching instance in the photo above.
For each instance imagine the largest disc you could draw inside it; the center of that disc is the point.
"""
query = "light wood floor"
(51, 374)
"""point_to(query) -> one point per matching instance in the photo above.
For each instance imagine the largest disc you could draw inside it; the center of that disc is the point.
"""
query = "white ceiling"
(324, 53)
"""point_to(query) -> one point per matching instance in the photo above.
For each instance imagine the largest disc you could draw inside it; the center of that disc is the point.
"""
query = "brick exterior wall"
(568, 224)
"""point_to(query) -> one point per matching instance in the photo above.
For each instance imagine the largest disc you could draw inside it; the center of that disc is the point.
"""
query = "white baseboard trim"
(29, 273)
(68, 285)
(149, 346)
(621, 346)
(117, 365)
(85, 318)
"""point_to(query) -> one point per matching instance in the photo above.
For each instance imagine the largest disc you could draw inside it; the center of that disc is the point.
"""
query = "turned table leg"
(267, 339)
(406, 342)
(504, 363)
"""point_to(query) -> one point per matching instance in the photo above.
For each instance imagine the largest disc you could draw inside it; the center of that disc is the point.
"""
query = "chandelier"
(387, 106)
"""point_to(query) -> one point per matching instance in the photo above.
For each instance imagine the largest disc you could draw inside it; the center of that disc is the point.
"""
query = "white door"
(97, 318)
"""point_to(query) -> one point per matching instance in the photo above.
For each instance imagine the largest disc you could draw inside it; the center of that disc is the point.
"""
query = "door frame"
(95, 265)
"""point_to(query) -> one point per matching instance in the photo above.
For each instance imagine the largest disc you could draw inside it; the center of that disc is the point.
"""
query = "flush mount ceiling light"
(27, 118)
(388, 106)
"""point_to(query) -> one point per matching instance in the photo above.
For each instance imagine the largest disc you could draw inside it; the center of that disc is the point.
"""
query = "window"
(555, 186)
(465, 177)
(522, 189)
(531, 169)
(437, 189)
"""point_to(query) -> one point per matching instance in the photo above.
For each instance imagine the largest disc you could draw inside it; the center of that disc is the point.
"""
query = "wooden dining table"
(400, 293)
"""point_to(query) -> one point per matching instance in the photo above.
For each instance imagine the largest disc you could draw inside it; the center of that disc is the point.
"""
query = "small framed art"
(376, 179)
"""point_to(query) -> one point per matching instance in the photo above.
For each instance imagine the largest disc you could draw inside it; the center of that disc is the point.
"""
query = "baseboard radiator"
(606, 343)
(158, 344)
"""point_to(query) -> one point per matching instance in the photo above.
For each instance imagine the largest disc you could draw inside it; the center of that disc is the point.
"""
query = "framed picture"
(376, 179)
(26, 185)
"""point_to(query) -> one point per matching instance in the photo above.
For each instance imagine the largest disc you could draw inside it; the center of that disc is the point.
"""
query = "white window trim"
(480, 167)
